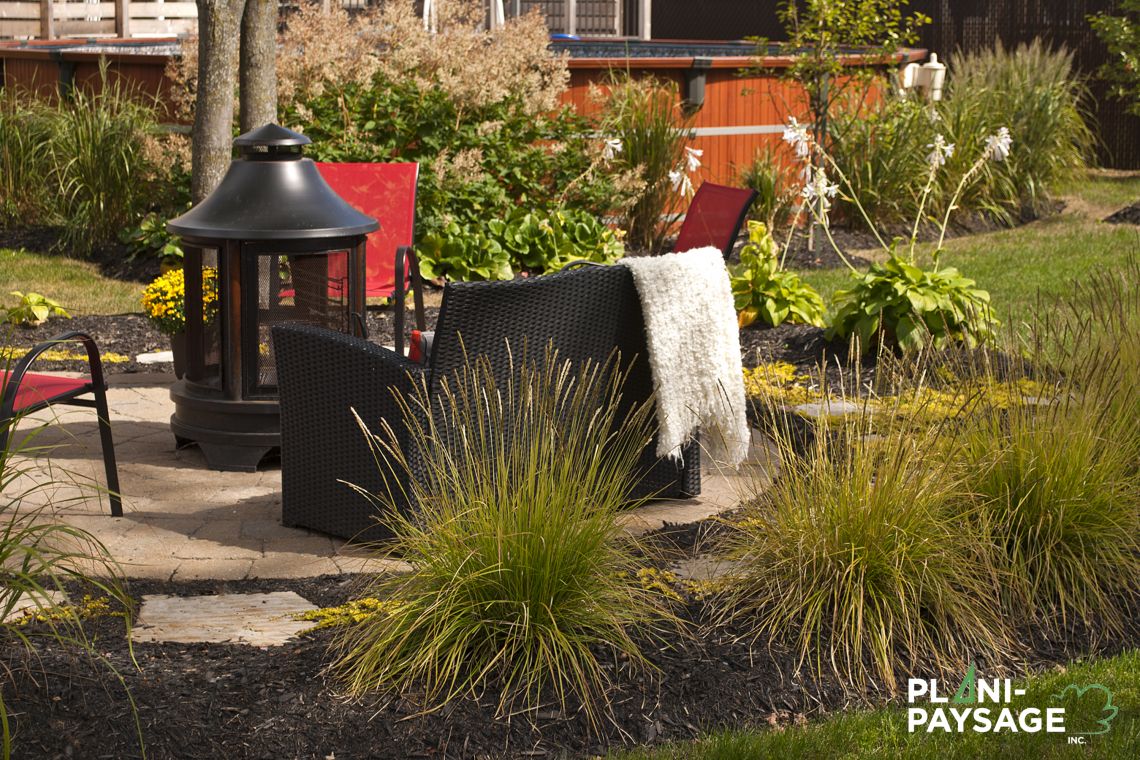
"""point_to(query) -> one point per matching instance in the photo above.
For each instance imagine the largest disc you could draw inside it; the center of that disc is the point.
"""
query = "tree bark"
(219, 28)
(258, 70)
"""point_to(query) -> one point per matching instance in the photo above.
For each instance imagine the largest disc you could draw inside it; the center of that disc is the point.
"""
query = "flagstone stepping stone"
(254, 619)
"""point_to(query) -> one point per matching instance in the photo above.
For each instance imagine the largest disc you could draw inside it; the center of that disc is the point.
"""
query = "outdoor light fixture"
(273, 243)
(928, 77)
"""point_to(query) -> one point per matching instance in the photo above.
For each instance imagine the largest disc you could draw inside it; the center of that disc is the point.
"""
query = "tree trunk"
(258, 70)
(219, 27)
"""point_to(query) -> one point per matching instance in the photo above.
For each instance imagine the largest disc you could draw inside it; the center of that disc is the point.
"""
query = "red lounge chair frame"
(23, 392)
(715, 216)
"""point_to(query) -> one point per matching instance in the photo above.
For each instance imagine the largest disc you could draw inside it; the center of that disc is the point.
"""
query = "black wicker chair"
(323, 376)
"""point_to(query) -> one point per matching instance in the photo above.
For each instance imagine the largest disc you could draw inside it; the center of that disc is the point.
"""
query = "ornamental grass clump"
(1055, 486)
(853, 558)
(522, 580)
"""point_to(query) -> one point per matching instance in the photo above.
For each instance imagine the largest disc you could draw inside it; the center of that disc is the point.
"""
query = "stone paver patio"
(183, 521)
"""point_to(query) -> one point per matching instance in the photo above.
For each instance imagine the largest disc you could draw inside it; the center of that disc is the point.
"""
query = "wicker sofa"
(324, 375)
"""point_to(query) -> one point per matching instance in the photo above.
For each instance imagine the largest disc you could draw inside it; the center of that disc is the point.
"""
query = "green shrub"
(476, 109)
(882, 151)
(24, 160)
(853, 558)
(646, 116)
(904, 305)
(762, 289)
(83, 163)
(520, 573)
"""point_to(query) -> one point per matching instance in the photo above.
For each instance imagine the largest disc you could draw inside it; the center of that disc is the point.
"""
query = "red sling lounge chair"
(23, 392)
(714, 218)
(388, 193)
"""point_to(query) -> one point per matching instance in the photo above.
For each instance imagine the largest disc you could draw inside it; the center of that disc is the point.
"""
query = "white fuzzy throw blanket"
(694, 351)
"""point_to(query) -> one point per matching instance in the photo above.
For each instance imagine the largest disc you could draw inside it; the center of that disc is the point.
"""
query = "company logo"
(985, 705)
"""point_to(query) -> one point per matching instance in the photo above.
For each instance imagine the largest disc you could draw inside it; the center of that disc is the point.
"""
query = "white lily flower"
(940, 151)
(612, 147)
(796, 135)
(997, 146)
(820, 189)
(693, 159)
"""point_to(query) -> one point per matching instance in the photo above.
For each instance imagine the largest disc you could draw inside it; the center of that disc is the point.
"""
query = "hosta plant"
(762, 289)
(525, 241)
(909, 306)
(901, 303)
(33, 309)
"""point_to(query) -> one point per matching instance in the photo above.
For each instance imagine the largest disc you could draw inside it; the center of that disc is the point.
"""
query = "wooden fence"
(90, 18)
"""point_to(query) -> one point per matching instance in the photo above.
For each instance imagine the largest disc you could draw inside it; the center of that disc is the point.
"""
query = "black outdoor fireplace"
(273, 243)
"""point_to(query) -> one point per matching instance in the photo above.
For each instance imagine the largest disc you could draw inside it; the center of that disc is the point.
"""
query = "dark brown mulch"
(132, 334)
(1127, 215)
(237, 701)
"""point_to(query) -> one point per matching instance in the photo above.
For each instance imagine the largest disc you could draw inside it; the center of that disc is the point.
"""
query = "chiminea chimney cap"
(271, 136)
(272, 194)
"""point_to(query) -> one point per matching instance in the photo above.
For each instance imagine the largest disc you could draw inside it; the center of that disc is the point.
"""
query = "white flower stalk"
(997, 146)
(820, 191)
(796, 135)
(681, 182)
(693, 159)
(940, 150)
(611, 148)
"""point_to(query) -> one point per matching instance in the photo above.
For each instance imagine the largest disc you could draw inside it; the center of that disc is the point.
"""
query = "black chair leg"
(108, 446)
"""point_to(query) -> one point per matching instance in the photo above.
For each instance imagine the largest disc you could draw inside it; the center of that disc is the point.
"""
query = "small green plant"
(899, 302)
(150, 238)
(521, 576)
(762, 289)
(910, 307)
(33, 309)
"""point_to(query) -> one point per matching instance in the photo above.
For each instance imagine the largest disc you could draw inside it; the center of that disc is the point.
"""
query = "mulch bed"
(238, 701)
(1126, 215)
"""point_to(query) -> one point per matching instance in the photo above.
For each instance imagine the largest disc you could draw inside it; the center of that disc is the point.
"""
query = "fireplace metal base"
(233, 435)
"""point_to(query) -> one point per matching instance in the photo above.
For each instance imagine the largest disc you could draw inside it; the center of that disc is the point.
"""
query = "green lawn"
(1044, 257)
(883, 733)
(76, 285)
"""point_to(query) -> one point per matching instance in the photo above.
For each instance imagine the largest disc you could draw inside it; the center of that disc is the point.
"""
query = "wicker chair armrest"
(325, 381)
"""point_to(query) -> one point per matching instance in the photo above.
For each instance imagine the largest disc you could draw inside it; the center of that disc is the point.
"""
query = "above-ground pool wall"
(740, 115)
(47, 68)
